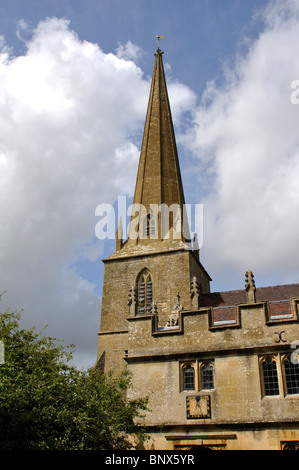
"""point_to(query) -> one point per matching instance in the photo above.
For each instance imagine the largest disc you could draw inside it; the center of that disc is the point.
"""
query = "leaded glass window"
(291, 377)
(189, 378)
(270, 377)
(207, 376)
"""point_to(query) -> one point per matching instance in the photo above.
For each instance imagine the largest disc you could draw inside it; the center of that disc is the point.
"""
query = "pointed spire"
(196, 246)
(119, 235)
(159, 177)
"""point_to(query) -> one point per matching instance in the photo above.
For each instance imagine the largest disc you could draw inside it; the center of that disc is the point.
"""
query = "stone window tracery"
(279, 375)
(197, 375)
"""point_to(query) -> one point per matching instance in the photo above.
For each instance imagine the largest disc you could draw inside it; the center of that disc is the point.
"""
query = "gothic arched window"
(291, 377)
(145, 293)
(146, 226)
(207, 376)
(149, 225)
(270, 376)
(188, 377)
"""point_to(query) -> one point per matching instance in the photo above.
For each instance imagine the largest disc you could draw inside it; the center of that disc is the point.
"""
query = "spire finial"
(158, 37)
(250, 287)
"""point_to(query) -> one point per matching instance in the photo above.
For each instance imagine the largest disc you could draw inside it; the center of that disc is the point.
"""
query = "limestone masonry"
(221, 369)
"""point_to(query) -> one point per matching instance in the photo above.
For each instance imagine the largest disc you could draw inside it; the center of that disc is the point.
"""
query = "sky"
(74, 86)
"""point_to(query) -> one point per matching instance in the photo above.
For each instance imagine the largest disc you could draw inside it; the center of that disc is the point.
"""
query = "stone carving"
(250, 287)
(196, 246)
(194, 286)
(173, 319)
(154, 309)
(132, 300)
(195, 293)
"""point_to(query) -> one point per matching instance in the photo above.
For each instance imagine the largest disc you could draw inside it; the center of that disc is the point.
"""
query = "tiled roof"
(263, 294)
(224, 315)
(284, 292)
(279, 308)
(223, 303)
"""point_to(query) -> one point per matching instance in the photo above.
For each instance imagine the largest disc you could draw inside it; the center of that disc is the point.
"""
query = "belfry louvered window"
(149, 225)
(145, 294)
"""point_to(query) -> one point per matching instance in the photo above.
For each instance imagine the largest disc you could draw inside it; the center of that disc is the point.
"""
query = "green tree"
(45, 403)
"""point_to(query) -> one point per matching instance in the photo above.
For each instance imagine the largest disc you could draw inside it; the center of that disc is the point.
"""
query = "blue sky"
(75, 78)
(206, 32)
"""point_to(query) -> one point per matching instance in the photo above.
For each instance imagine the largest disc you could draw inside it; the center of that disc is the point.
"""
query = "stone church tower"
(219, 367)
(150, 274)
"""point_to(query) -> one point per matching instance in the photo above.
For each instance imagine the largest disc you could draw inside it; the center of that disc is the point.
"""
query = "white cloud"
(68, 112)
(22, 29)
(129, 51)
(64, 111)
(246, 136)
(182, 100)
(70, 116)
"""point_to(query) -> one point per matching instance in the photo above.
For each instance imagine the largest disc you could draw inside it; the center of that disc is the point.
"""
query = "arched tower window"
(145, 293)
(149, 225)
(146, 226)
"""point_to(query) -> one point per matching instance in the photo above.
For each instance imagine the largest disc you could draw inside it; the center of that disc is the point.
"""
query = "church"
(221, 369)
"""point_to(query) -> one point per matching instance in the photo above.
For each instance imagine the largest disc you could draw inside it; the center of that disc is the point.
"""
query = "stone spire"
(158, 177)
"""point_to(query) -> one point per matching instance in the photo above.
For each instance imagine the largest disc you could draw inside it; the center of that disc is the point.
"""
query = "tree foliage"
(45, 403)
